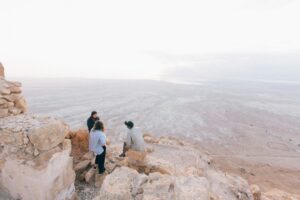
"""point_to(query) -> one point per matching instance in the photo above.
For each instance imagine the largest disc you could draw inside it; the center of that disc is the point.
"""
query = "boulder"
(99, 178)
(228, 187)
(149, 139)
(82, 165)
(276, 194)
(158, 187)
(48, 136)
(136, 157)
(80, 143)
(2, 75)
(255, 190)
(117, 186)
(191, 187)
(29, 173)
(88, 156)
(11, 97)
(155, 164)
(90, 175)
(125, 184)
(21, 104)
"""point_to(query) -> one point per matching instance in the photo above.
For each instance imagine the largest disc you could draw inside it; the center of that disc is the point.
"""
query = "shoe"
(122, 155)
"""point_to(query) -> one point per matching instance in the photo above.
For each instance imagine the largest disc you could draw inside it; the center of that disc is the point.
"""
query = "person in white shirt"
(134, 139)
(97, 144)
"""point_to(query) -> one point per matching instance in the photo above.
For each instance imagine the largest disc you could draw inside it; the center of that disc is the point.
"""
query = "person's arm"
(102, 140)
(89, 125)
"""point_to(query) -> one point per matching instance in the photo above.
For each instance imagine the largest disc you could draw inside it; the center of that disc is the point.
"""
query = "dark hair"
(98, 126)
(129, 124)
(93, 112)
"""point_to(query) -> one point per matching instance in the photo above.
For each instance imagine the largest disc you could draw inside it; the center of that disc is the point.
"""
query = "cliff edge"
(35, 162)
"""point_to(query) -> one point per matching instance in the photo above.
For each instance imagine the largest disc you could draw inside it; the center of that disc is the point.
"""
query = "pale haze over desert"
(222, 75)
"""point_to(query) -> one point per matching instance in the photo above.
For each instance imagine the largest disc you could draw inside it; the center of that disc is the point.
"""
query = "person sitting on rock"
(134, 140)
(91, 120)
(97, 144)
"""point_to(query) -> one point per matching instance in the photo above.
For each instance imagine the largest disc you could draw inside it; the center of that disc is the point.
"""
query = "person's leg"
(104, 156)
(97, 161)
(124, 150)
(102, 161)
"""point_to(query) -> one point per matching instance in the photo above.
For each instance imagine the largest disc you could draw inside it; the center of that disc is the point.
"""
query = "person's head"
(94, 115)
(129, 124)
(98, 126)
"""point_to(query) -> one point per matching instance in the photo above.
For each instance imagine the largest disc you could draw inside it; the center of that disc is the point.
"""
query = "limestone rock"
(2, 101)
(88, 156)
(125, 183)
(255, 190)
(192, 188)
(159, 187)
(174, 171)
(117, 185)
(228, 187)
(3, 112)
(80, 142)
(99, 178)
(10, 97)
(90, 175)
(162, 166)
(82, 165)
(14, 110)
(149, 139)
(15, 89)
(2, 75)
(28, 173)
(136, 157)
(48, 136)
(4, 91)
(21, 104)
(276, 194)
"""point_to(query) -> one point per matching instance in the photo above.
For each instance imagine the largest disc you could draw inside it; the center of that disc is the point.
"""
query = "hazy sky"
(130, 39)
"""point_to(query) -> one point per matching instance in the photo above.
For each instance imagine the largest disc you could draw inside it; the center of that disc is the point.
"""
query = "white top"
(97, 141)
(135, 139)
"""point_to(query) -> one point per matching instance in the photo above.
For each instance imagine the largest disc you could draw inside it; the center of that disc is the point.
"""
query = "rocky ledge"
(170, 169)
(35, 160)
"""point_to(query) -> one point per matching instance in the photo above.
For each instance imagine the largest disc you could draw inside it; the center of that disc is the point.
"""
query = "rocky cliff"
(171, 169)
(35, 162)
(11, 100)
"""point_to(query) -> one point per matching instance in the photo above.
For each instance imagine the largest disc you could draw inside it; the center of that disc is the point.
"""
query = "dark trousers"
(100, 160)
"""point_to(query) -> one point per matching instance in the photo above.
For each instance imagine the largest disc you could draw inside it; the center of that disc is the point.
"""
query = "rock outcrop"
(1, 70)
(174, 171)
(276, 194)
(11, 100)
(35, 160)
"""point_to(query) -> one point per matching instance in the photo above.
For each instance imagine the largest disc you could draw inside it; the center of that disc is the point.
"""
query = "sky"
(149, 39)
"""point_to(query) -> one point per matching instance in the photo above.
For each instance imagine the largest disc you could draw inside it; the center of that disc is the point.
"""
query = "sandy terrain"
(250, 128)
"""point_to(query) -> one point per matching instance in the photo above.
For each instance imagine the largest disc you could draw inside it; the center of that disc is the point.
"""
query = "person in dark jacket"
(91, 120)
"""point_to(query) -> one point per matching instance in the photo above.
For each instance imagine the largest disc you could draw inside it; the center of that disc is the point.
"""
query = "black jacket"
(90, 122)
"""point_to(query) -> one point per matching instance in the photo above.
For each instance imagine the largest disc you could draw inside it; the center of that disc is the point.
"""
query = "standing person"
(91, 120)
(134, 140)
(97, 144)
